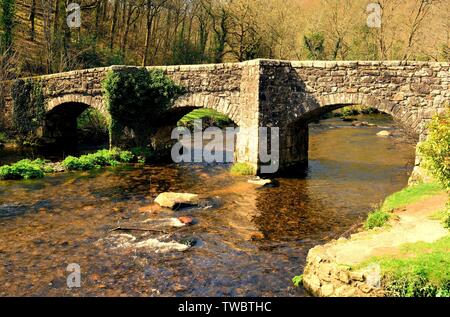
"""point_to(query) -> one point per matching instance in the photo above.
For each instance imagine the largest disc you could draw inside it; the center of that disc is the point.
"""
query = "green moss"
(242, 169)
(419, 270)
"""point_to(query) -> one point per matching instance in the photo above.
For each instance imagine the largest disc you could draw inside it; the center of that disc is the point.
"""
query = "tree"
(314, 43)
(423, 10)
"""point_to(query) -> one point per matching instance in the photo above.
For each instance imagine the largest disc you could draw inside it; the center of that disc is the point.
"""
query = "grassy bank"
(408, 195)
(417, 270)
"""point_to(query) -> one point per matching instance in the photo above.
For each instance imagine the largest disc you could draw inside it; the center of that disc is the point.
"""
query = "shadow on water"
(251, 242)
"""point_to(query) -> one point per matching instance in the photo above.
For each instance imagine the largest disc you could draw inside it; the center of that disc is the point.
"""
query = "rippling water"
(251, 243)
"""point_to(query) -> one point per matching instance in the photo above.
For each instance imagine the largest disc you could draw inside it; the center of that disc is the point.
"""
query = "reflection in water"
(250, 244)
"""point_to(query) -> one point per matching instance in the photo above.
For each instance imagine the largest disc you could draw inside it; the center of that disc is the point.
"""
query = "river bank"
(364, 264)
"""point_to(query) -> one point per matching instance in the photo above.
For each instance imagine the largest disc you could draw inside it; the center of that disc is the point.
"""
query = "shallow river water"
(251, 242)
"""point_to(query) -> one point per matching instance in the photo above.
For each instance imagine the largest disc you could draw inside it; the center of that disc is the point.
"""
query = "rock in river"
(384, 133)
(263, 182)
(172, 200)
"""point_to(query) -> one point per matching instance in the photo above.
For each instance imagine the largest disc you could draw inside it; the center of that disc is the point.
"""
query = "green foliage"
(88, 55)
(297, 280)
(315, 45)
(98, 159)
(28, 108)
(242, 169)
(136, 99)
(24, 169)
(425, 274)
(7, 24)
(185, 52)
(3, 137)
(436, 149)
(348, 111)
(377, 218)
(209, 117)
(143, 154)
(93, 125)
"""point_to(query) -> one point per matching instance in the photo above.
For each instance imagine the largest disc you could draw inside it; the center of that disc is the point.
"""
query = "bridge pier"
(294, 144)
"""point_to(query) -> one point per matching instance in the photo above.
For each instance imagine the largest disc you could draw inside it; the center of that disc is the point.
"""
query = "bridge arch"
(295, 135)
(60, 125)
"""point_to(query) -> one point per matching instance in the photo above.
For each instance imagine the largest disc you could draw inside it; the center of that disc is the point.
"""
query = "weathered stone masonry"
(269, 93)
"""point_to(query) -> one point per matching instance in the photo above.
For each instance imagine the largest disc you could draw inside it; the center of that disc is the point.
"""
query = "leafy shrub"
(377, 218)
(446, 217)
(242, 169)
(143, 154)
(436, 149)
(24, 169)
(136, 100)
(99, 159)
(297, 280)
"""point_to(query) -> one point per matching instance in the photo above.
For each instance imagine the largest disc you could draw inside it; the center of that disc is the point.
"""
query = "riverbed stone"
(172, 200)
(384, 133)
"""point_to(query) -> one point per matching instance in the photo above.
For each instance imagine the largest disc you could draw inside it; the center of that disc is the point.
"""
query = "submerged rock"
(186, 220)
(189, 242)
(10, 210)
(173, 200)
(259, 181)
(161, 247)
(362, 124)
(128, 241)
(384, 133)
(263, 182)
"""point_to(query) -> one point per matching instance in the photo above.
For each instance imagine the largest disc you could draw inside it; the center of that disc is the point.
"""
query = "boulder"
(384, 133)
(260, 181)
(173, 200)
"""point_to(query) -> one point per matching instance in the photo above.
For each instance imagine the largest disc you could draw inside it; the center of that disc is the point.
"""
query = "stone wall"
(324, 277)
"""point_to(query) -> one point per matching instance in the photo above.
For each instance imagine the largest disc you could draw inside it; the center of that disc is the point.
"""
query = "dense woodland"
(35, 38)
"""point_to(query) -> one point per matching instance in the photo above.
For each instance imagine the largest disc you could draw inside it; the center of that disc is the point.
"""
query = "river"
(250, 241)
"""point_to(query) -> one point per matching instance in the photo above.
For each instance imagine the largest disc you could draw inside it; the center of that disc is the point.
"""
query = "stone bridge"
(270, 93)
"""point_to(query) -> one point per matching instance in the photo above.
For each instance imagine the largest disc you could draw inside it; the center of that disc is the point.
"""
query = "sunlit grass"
(408, 195)
(242, 169)
(419, 269)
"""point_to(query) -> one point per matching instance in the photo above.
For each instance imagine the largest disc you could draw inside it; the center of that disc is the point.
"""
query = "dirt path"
(413, 225)
(327, 271)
